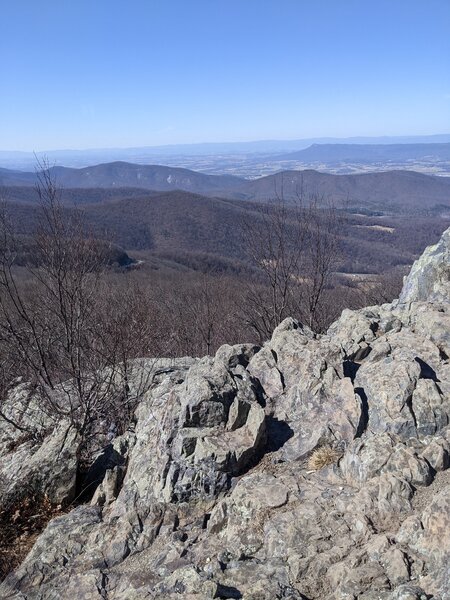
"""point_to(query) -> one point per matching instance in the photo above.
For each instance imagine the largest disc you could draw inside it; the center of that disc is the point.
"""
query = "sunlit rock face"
(217, 490)
(429, 279)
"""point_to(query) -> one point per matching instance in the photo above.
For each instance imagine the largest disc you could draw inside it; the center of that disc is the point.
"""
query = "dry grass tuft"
(323, 456)
(20, 525)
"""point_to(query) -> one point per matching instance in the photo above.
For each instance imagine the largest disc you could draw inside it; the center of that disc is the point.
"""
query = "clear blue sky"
(101, 73)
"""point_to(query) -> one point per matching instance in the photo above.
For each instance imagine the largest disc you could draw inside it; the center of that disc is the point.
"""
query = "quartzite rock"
(211, 495)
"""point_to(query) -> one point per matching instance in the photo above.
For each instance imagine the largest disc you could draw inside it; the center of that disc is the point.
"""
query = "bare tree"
(323, 226)
(199, 314)
(56, 325)
(295, 246)
(382, 288)
(275, 245)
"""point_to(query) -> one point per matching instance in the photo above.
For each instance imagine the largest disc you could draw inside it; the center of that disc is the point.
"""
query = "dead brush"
(20, 524)
(322, 457)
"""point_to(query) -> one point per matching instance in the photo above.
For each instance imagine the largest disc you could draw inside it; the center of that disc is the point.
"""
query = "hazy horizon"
(86, 75)
(360, 139)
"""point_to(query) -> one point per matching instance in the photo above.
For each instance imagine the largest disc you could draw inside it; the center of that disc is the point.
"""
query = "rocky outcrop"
(37, 453)
(430, 274)
(211, 493)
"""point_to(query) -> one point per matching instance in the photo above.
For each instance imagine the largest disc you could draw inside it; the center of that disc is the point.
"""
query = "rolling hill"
(201, 232)
(72, 196)
(388, 192)
(391, 192)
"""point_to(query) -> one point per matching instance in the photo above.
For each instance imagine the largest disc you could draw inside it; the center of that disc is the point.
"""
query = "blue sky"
(110, 73)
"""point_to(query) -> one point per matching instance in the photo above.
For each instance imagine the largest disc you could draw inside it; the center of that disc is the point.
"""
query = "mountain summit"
(313, 467)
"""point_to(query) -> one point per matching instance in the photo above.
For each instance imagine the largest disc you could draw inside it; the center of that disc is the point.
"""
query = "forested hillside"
(178, 224)
(391, 192)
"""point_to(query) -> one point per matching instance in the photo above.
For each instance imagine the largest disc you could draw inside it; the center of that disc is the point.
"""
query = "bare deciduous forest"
(72, 319)
(224, 300)
(79, 316)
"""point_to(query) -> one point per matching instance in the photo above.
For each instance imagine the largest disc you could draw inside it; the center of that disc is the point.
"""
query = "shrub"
(323, 456)
(20, 524)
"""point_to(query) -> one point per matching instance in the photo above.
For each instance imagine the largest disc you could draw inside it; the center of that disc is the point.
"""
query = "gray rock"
(429, 279)
(211, 496)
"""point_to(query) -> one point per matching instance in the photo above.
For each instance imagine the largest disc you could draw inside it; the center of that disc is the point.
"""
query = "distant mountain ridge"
(367, 153)
(147, 154)
(390, 191)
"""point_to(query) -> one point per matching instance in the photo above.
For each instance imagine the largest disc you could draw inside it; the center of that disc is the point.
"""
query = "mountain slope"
(26, 194)
(122, 174)
(178, 223)
(10, 177)
(391, 191)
